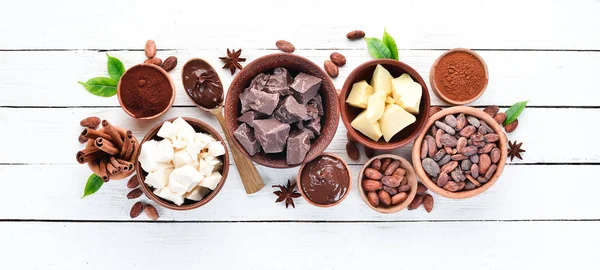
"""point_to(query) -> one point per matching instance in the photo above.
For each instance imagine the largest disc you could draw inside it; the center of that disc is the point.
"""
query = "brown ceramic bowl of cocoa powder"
(146, 91)
(459, 76)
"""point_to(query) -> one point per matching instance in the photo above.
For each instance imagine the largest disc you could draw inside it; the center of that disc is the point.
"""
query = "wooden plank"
(472, 245)
(48, 135)
(541, 77)
(414, 24)
(522, 193)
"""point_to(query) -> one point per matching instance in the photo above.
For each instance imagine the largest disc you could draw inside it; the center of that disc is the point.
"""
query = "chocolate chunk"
(317, 102)
(290, 111)
(312, 112)
(279, 82)
(249, 117)
(271, 134)
(245, 135)
(260, 81)
(305, 87)
(244, 100)
(260, 101)
(298, 145)
(314, 125)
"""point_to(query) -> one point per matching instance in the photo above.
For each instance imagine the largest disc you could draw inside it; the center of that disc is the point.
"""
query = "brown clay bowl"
(434, 86)
(416, 153)
(162, 72)
(294, 64)
(123, 174)
(365, 72)
(410, 175)
(199, 126)
(325, 205)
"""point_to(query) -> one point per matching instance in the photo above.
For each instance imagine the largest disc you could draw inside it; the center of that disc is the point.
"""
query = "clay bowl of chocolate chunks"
(281, 110)
(384, 104)
(461, 153)
(182, 163)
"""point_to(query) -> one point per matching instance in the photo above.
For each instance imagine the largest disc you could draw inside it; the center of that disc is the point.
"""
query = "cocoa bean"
(385, 163)
(447, 168)
(448, 140)
(451, 186)
(467, 131)
(371, 185)
(461, 143)
(491, 171)
(421, 188)
(491, 137)
(169, 64)
(404, 188)
(133, 182)
(151, 212)
(331, 69)
(391, 181)
(473, 121)
(469, 151)
(445, 127)
(481, 179)
(433, 110)
(431, 145)
(428, 203)
(384, 197)
(450, 120)
(478, 144)
(154, 61)
(373, 198)
(82, 139)
(465, 165)
(390, 190)
(431, 167)
(475, 170)
(474, 158)
(484, 163)
(352, 151)
(472, 180)
(376, 164)
(399, 172)
(495, 155)
(404, 181)
(136, 209)
(355, 34)
(285, 46)
(491, 110)
(500, 117)
(461, 122)
(90, 122)
(443, 179)
(457, 176)
(141, 83)
(416, 202)
(438, 137)
(434, 129)
(350, 139)
(439, 155)
(448, 150)
(487, 128)
(459, 157)
(373, 174)
(399, 198)
(461, 185)
(445, 159)
(392, 167)
(134, 194)
(512, 126)
(369, 152)
(338, 59)
(424, 149)
(487, 148)
(469, 186)
(150, 49)
(478, 137)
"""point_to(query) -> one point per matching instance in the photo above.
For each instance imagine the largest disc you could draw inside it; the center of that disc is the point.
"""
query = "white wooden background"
(544, 212)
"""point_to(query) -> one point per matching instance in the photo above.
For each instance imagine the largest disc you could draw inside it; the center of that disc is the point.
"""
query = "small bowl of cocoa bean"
(461, 154)
(387, 183)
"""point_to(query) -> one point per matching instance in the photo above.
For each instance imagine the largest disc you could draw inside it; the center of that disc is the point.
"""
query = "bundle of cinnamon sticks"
(111, 152)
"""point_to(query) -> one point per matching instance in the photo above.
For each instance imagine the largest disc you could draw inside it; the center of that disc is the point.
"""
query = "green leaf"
(377, 49)
(390, 43)
(101, 86)
(514, 111)
(94, 183)
(115, 67)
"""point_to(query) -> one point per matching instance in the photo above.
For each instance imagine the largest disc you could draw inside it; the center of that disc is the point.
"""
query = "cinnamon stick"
(125, 148)
(114, 134)
(117, 164)
(93, 134)
(83, 157)
(106, 146)
(127, 166)
(112, 170)
(103, 172)
(131, 151)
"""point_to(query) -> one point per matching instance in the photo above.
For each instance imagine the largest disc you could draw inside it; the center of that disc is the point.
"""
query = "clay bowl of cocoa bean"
(146, 91)
(271, 97)
(461, 154)
(349, 113)
(387, 183)
(324, 181)
(199, 126)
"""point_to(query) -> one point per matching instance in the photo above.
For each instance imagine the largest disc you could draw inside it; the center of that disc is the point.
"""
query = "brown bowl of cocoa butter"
(387, 183)
(324, 181)
(459, 76)
(146, 91)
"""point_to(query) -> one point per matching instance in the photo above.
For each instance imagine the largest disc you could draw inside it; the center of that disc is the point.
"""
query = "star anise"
(287, 193)
(514, 150)
(232, 61)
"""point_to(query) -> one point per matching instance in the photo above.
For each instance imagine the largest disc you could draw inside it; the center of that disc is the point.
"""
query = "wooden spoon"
(246, 169)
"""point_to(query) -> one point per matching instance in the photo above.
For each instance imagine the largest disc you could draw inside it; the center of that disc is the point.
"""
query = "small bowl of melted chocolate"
(324, 181)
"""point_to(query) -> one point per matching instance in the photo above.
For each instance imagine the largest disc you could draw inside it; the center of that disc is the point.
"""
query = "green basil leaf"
(390, 43)
(115, 67)
(94, 183)
(377, 49)
(101, 86)
(514, 111)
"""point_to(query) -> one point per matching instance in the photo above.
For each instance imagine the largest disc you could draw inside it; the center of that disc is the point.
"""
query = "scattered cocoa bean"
(134, 194)
(421, 188)
(285, 46)
(473, 121)
(82, 139)
(376, 164)
(390, 190)
(150, 49)
(450, 120)
(451, 186)
(512, 126)
(136, 209)
(133, 182)
(331, 69)
(90, 122)
(384, 197)
(428, 202)
(373, 174)
(399, 198)
(392, 167)
(391, 181)
(352, 151)
(338, 59)
(355, 34)
(385, 163)
(154, 61)
(169, 64)
(431, 167)
(500, 117)
(484, 163)
(433, 110)
(151, 212)
(369, 152)
(491, 110)
(495, 155)
(371, 185)
(445, 127)
(416, 202)
(404, 188)
(373, 198)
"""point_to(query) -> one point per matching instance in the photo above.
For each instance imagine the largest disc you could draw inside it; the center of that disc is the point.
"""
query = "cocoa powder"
(460, 76)
(147, 99)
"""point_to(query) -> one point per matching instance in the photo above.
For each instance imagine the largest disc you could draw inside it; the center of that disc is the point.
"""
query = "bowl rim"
(447, 99)
(416, 153)
(412, 181)
(163, 73)
(349, 181)
(162, 202)
(229, 99)
(383, 146)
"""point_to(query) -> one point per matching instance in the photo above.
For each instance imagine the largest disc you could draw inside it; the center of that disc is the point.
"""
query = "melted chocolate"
(202, 83)
(324, 180)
